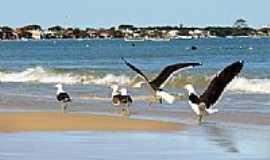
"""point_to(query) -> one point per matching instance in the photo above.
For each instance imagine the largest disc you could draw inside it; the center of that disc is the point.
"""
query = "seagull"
(115, 95)
(62, 97)
(126, 100)
(205, 104)
(121, 97)
(156, 85)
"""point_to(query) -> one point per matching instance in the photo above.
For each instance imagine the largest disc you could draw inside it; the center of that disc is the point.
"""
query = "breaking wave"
(261, 86)
(41, 75)
(239, 84)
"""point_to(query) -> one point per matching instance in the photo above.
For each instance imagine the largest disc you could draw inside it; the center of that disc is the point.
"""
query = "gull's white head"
(123, 92)
(190, 88)
(115, 87)
(58, 85)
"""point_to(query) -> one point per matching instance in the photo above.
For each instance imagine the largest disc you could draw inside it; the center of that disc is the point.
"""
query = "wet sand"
(56, 121)
(93, 132)
(242, 118)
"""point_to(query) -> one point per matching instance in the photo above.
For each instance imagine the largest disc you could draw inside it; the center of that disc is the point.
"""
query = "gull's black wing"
(166, 74)
(131, 66)
(220, 81)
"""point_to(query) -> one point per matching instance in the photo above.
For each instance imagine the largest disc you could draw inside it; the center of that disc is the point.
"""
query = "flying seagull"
(156, 85)
(62, 97)
(205, 104)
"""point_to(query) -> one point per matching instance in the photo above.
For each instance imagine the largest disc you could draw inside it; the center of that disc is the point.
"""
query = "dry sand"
(54, 121)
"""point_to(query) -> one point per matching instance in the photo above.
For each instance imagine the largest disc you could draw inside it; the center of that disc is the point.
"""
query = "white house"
(36, 34)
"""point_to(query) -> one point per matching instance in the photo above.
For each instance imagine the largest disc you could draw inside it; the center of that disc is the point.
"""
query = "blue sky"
(101, 13)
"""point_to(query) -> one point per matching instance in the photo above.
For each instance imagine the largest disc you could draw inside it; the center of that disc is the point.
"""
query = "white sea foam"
(261, 86)
(111, 79)
(40, 75)
(37, 74)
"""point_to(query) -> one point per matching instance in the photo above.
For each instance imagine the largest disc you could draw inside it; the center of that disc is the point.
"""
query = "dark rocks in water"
(193, 48)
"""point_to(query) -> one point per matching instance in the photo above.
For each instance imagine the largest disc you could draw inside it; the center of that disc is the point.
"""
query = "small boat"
(134, 39)
(160, 39)
(184, 37)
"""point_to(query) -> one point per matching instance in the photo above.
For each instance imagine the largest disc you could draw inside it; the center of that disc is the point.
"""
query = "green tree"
(240, 23)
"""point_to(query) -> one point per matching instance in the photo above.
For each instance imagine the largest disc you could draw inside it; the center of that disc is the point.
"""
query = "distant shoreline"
(128, 41)
(131, 33)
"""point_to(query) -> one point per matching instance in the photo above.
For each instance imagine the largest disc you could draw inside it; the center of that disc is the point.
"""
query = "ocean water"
(87, 68)
(98, 61)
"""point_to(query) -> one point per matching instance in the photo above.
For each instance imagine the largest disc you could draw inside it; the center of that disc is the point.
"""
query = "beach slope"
(53, 121)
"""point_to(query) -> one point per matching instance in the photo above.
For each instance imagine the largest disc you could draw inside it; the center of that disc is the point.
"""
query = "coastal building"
(7, 33)
(55, 32)
(199, 33)
(173, 33)
(104, 34)
(68, 34)
(30, 32)
(264, 31)
(92, 33)
(36, 34)
(126, 28)
(136, 35)
(1, 33)
(48, 34)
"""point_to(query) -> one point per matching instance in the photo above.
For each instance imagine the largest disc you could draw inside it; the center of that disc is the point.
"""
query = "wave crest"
(41, 75)
(250, 85)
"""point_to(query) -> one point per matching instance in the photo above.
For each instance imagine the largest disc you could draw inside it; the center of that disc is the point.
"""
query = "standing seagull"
(116, 94)
(120, 97)
(62, 97)
(161, 80)
(205, 103)
(126, 100)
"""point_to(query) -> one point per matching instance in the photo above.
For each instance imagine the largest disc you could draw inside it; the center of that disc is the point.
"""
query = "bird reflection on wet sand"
(221, 137)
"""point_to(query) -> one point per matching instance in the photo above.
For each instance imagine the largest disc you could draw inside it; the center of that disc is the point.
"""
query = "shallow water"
(210, 141)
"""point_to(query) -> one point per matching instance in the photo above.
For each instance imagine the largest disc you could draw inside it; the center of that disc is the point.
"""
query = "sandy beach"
(54, 121)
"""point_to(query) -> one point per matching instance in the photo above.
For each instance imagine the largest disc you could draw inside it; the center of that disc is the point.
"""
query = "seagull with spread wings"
(156, 85)
(205, 104)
